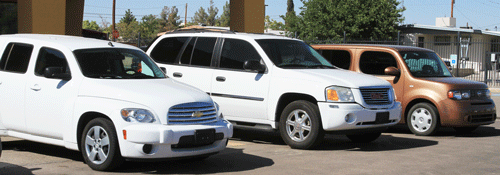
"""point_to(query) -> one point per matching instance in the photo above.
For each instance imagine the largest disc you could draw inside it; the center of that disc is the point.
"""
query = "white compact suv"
(108, 100)
(276, 83)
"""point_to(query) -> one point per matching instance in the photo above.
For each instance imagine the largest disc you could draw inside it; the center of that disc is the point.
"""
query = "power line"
(466, 16)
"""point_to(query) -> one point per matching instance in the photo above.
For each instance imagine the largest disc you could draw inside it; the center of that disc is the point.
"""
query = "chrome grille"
(192, 113)
(376, 96)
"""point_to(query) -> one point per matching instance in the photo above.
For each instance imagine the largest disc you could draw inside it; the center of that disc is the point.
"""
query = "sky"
(480, 14)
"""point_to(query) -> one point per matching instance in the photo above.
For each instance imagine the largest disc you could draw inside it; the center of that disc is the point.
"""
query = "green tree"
(169, 18)
(223, 20)
(212, 14)
(150, 26)
(328, 19)
(200, 16)
(91, 25)
(128, 31)
(273, 24)
(128, 18)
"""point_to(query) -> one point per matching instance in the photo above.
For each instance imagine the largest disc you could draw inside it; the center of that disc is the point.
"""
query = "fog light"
(350, 118)
(147, 148)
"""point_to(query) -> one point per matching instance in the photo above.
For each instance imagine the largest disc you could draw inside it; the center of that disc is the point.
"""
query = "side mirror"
(392, 71)
(56, 73)
(254, 65)
(164, 70)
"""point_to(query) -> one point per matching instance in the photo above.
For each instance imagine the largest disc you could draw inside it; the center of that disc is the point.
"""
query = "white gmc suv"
(108, 100)
(272, 83)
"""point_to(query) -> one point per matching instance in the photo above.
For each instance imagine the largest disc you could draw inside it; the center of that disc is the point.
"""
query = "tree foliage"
(149, 26)
(128, 18)
(169, 18)
(200, 16)
(273, 24)
(360, 19)
(208, 17)
(223, 20)
(91, 25)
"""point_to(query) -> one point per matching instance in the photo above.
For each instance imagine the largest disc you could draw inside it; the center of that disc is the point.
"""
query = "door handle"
(177, 74)
(220, 78)
(35, 87)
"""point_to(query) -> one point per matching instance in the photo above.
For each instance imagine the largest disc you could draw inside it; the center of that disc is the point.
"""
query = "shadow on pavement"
(385, 142)
(258, 137)
(7, 168)
(229, 160)
(41, 148)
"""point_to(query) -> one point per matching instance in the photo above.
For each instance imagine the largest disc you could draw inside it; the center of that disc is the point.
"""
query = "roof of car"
(70, 42)
(395, 47)
(225, 33)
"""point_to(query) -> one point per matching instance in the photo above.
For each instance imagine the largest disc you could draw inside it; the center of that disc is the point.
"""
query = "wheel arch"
(416, 101)
(82, 122)
(287, 98)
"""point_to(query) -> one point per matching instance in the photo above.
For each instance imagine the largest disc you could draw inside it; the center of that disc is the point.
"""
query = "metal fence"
(474, 59)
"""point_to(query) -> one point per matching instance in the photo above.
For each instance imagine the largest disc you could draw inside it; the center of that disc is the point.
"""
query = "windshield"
(293, 54)
(116, 63)
(425, 64)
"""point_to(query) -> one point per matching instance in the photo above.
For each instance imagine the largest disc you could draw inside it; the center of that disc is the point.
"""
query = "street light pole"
(113, 25)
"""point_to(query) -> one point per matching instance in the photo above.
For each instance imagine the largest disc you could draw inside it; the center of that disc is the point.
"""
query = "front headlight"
(339, 94)
(218, 112)
(137, 115)
(459, 95)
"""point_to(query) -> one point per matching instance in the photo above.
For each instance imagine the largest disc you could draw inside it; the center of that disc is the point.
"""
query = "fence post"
(399, 32)
(344, 37)
(139, 40)
(458, 54)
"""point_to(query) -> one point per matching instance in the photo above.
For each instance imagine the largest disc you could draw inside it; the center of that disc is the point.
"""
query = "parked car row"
(112, 102)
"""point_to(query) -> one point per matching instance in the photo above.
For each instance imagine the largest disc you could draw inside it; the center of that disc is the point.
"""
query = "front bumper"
(163, 140)
(333, 116)
(465, 113)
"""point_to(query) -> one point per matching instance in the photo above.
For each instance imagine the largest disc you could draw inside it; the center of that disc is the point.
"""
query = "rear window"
(339, 58)
(167, 50)
(16, 57)
(374, 63)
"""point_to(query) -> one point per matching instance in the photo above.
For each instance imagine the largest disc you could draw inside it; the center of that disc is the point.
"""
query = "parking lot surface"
(397, 151)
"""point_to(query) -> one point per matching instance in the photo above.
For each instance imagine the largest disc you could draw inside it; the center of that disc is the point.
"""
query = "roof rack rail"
(199, 29)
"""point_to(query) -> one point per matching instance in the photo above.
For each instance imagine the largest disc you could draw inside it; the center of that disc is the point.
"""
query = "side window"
(186, 56)
(375, 62)
(50, 58)
(202, 54)
(167, 50)
(16, 57)
(235, 52)
(339, 58)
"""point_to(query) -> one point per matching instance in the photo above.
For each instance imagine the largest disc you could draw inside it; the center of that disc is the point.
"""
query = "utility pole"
(114, 6)
(185, 15)
(452, 3)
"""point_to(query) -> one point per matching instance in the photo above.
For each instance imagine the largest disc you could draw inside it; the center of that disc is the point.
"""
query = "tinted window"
(293, 54)
(186, 56)
(339, 58)
(167, 50)
(50, 58)
(236, 52)
(16, 57)
(202, 54)
(376, 62)
(117, 64)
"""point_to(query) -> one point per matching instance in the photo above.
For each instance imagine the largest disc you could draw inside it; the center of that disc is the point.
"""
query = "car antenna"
(111, 44)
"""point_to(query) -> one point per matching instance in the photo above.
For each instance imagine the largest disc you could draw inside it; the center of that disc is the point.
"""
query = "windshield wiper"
(322, 66)
(292, 65)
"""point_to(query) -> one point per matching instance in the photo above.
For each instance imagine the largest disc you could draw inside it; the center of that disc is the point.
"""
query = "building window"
(421, 42)
(8, 18)
(442, 40)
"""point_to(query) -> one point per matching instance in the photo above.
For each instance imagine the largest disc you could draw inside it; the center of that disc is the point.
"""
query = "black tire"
(423, 119)
(465, 130)
(364, 138)
(311, 131)
(106, 131)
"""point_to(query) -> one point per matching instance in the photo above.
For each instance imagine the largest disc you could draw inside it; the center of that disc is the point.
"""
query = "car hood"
(152, 93)
(338, 77)
(458, 83)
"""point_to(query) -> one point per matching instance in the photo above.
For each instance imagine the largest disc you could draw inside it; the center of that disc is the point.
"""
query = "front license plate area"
(204, 136)
(382, 117)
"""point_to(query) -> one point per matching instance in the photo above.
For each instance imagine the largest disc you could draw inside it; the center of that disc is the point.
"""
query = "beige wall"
(247, 16)
(63, 17)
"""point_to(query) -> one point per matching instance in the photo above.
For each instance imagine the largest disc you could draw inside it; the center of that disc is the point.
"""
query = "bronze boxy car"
(430, 96)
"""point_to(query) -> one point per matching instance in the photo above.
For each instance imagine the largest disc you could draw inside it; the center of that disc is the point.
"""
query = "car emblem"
(197, 114)
(479, 93)
(376, 96)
